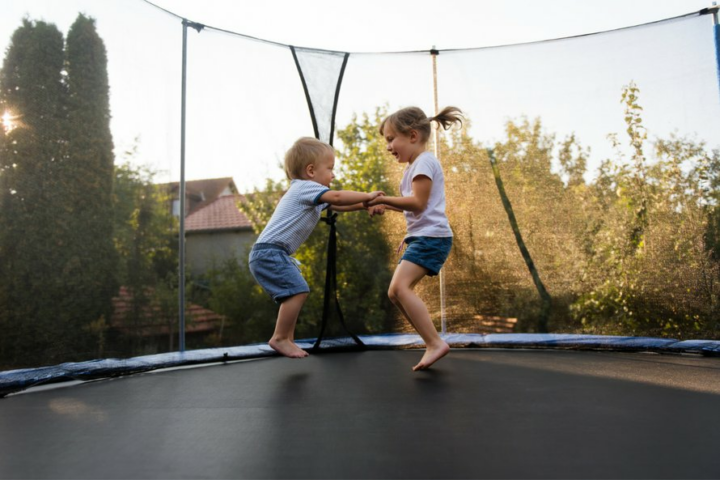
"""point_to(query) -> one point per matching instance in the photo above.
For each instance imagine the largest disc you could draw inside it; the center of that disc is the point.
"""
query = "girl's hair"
(413, 118)
(305, 150)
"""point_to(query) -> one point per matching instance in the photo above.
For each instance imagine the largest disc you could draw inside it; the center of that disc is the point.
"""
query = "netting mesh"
(229, 131)
(322, 86)
(574, 85)
(605, 144)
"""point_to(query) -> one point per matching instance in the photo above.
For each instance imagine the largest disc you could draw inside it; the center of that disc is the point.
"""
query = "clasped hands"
(372, 205)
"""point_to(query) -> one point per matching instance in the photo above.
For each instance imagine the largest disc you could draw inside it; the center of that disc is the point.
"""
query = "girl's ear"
(414, 136)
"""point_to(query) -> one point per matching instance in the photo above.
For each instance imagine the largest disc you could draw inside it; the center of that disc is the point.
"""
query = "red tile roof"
(199, 319)
(222, 214)
(201, 192)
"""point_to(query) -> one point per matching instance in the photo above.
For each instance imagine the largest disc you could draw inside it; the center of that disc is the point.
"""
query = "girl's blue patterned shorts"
(428, 252)
(276, 271)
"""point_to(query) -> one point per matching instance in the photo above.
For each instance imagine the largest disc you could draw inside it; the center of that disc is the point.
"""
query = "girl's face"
(404, 147)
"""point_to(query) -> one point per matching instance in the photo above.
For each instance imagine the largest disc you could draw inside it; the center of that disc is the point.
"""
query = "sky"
(246, 104)
(387, 25)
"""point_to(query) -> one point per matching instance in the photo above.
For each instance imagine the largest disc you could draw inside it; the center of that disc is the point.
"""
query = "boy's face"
(322, 170)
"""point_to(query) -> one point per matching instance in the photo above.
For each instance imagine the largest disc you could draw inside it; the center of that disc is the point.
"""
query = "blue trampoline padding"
(551, 340)
(16, 380)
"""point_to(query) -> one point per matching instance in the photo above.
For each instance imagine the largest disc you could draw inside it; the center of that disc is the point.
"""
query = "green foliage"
(146, 244)
(36, 303)
(145, 230)
(648, 269)
(486, 274)
(56, 247)
(87, 176)
(634, 251)
(261, 204)
(708, 174)
(364, 259)
(250, 312)
(573, 162)
(363, 266)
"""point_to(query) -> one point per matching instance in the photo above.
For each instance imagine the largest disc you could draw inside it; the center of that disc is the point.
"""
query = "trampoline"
(558, 405)
(479, 413)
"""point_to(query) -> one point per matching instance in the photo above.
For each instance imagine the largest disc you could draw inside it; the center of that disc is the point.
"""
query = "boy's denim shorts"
(276, 271)
(428, 252)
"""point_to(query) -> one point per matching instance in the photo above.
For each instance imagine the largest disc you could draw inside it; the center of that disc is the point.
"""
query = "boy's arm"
(374, 210)
(346, 198)
(348, 208)
(417, 203)
(388, 207)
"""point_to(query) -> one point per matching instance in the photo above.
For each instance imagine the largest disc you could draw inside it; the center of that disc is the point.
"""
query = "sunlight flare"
(8, 121)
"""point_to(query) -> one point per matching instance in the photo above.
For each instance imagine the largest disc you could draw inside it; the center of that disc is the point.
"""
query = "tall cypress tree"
(92, 263)
(31, 202)
(57, 255)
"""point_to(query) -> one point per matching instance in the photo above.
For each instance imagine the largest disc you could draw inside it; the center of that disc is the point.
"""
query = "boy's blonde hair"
(305, 151)
(413, 118)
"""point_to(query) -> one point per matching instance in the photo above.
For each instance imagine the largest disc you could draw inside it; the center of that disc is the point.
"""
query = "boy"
(309, 166)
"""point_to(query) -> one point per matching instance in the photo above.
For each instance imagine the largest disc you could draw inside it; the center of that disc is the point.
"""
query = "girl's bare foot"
(432, 354)
(287, 348)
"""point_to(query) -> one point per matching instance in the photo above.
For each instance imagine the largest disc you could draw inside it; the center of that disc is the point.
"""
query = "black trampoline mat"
(475, 414)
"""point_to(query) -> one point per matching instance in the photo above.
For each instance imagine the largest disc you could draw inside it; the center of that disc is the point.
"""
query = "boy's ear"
(310, 170)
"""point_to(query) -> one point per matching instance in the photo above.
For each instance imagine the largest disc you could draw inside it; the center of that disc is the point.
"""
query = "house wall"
(202, 249)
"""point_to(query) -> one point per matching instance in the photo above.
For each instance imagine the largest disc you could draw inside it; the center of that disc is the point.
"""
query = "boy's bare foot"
(432, 355)
(287, 348)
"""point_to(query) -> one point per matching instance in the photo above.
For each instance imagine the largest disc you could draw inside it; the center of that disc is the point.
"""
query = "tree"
(632, 252)
(364, 258)
(651, 266)
(235, 294)
(145, 237)
(87, 177)
(56, 170)
(33, 214)
(486, 273)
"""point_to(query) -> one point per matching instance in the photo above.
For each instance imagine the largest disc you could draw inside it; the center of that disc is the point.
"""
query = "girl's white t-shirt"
(432, 222)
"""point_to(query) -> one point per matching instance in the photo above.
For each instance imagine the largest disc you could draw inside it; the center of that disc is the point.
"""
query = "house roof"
(205, 191)
(199, 319)
(221, 214)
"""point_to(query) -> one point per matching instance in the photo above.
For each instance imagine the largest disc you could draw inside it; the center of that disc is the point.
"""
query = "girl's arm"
(417, 203)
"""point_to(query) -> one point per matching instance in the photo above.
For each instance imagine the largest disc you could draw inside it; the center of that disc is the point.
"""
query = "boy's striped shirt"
(295, 216)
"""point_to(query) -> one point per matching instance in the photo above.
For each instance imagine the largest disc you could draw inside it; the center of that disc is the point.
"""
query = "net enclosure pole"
(181, 189)
(181, 235)
(715, 9)
(441, 275)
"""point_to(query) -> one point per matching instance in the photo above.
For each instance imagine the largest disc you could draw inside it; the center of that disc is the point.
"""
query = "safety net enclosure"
(141, 154)
(582, 190)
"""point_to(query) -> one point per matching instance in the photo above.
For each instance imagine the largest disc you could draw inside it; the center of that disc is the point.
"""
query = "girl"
(429, 236)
